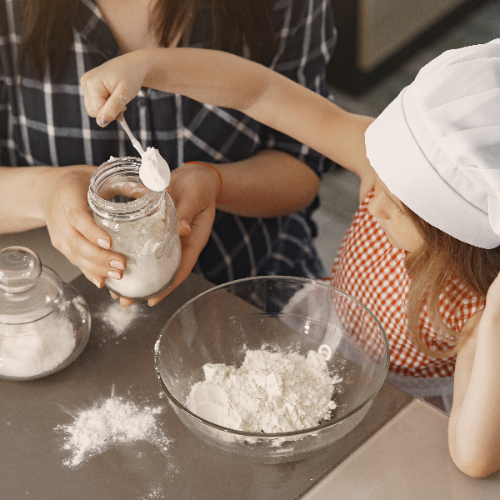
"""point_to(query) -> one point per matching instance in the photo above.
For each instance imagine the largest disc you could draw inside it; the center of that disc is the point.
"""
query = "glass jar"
(44, 323)
(142, 224)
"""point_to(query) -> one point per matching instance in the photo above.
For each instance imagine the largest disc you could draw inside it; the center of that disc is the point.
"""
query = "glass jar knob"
(20, 269)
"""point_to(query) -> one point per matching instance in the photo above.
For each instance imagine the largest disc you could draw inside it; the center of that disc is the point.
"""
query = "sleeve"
(306, 36)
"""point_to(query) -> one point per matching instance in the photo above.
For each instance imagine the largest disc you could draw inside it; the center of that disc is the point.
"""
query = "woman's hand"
(56, 197)
(194, 189)
(71, 227)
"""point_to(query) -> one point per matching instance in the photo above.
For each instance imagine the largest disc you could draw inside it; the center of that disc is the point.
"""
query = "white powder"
(271, 392)
(154, 171)
(33, 352)
(151, 265)
(155, 493)
(113, 421)
(119, 318)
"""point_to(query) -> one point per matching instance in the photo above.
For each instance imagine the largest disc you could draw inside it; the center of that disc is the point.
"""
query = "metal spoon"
(135, 142)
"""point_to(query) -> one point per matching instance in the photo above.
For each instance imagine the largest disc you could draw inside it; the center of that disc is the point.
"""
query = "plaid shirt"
(45, 123)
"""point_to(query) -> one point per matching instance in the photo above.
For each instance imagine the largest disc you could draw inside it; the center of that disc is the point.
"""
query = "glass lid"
(28, 291)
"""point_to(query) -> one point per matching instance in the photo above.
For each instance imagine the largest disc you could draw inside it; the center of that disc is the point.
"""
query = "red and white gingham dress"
(369, 268)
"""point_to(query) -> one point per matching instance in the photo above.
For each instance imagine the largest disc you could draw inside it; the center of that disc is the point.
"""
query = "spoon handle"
(135, 142)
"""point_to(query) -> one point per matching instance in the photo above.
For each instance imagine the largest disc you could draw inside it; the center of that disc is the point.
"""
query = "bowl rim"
(274, 435)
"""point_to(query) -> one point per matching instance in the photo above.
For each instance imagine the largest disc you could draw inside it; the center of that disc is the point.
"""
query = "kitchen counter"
(31, 411)
(406, 459)
(401, 441)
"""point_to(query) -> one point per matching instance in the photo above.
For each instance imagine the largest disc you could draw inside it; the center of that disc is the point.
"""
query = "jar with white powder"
(142, 224)
(44, 323)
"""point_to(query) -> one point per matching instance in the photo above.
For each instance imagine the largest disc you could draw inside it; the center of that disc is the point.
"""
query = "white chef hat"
(437, 145)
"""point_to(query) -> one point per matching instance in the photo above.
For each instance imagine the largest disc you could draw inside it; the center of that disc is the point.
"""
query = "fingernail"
(96, 282)
(114, 275)
(101, 121)
(185, 223)
(103, 243)
(117, 264)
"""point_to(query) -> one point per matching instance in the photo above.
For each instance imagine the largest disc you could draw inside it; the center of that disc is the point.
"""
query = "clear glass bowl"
(274, 313)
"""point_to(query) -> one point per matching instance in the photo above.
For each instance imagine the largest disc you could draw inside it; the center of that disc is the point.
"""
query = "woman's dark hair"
(47, 32)
(47, 27)
(433, 266)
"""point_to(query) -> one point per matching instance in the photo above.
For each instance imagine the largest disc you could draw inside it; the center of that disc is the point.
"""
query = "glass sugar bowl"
(44, 322)
(142, 224)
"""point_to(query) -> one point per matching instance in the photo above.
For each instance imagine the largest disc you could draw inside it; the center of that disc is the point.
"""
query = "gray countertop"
(399, 451)
(31, 461)
(407, 459)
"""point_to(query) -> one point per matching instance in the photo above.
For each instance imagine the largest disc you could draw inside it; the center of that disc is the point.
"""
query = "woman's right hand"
(71, 226)
(194, 189)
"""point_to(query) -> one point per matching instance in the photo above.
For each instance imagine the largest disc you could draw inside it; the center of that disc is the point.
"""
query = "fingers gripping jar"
(142, 224)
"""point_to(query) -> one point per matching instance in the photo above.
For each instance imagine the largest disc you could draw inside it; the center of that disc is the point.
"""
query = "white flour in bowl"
(271, 392)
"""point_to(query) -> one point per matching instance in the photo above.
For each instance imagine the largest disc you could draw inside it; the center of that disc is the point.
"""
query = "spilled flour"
(271, 392)
(120, 318)
(108, 423)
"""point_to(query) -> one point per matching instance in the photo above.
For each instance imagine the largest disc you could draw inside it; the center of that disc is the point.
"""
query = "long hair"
(47, 28)
(439, 260)
(47, 33)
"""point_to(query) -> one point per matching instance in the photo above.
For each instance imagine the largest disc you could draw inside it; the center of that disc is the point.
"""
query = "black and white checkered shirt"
(45, 123)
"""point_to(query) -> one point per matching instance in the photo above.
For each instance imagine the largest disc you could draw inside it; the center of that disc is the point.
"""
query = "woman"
(43, 124)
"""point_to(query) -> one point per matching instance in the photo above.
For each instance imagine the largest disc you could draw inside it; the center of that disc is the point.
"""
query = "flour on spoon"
(154, 171)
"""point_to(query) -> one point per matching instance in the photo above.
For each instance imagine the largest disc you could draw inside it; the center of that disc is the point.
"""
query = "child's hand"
(108, 88)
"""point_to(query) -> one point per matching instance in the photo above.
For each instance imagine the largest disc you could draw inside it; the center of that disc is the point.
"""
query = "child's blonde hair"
(440, 259)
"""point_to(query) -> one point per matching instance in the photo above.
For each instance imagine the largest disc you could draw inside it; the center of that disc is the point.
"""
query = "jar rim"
(126, 167)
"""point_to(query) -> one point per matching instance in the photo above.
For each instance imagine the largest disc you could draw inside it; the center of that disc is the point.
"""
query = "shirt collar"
(91, 26)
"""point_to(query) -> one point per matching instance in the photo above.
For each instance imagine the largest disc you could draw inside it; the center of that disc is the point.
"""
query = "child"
(433, 213)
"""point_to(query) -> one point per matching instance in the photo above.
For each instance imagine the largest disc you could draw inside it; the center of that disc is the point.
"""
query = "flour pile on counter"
(120, 318)
(154, 171)
(271, 392)
(113, 421)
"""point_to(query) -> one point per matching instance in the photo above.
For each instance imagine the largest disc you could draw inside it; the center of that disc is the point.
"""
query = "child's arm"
(225, 80)
(474, 426)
